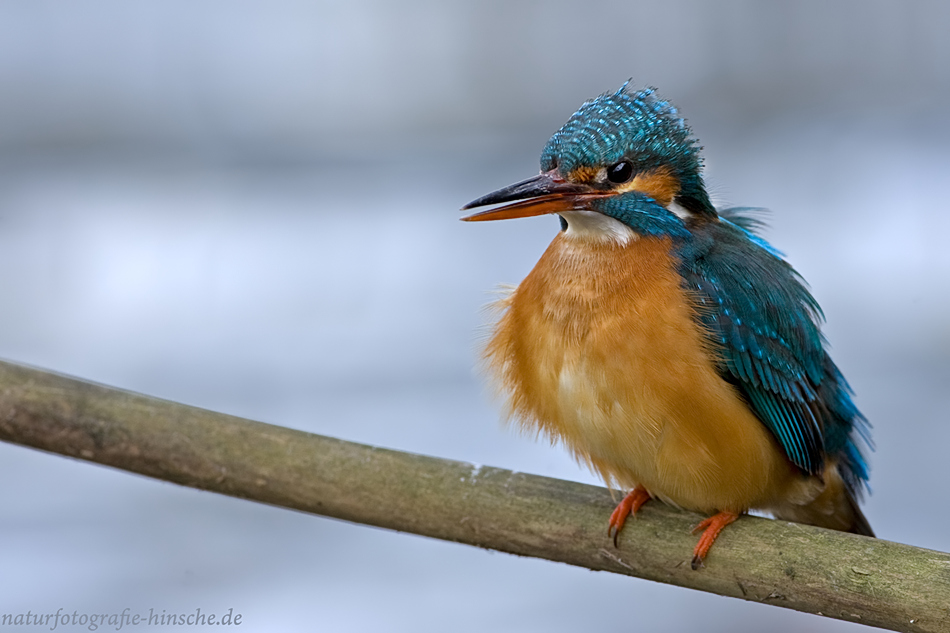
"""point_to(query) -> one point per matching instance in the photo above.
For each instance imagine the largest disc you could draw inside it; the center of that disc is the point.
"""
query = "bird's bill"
(540, 195)
(542, 205)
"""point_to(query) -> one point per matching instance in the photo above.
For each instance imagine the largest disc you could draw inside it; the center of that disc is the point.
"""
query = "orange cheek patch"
(583, 174)
(660, 184)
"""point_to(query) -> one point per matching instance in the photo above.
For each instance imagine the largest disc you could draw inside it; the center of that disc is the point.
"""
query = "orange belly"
(599, 347)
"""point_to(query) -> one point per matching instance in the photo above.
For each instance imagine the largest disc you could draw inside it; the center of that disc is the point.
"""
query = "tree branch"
(798, 567)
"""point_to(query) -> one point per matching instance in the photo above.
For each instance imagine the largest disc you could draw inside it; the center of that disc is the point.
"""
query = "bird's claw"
(628, 506)
(711, 527)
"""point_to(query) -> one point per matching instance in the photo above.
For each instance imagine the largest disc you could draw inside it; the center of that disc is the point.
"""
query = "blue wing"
(765, 324)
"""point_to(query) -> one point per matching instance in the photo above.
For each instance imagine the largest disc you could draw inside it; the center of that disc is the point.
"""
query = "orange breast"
(599, 348)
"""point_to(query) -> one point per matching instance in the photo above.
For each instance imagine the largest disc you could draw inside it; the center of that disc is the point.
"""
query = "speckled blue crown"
(636, 126)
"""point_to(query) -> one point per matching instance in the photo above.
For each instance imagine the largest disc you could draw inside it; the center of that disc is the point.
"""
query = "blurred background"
(253, 207)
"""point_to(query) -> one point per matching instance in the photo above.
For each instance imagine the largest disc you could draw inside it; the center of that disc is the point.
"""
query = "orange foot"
(630, 504)
(712, 527)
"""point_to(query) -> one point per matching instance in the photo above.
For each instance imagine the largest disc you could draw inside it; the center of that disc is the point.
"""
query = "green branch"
(798, 567)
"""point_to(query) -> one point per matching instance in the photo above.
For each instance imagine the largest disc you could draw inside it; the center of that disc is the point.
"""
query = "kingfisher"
(666, 344)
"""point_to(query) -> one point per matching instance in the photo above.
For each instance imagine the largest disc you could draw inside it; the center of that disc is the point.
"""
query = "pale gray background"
(252, 207)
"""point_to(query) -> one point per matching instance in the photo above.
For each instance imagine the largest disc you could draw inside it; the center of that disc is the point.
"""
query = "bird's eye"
(620, 173)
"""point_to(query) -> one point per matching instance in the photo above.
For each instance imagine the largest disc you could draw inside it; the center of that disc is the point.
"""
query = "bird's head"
(624, 157)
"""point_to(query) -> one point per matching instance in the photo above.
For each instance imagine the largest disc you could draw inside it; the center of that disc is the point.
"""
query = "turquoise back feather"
(765, 322)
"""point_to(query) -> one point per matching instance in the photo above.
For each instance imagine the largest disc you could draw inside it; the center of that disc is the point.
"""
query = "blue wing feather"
(759, 314)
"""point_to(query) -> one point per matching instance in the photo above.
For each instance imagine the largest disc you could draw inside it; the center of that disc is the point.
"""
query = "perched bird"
(668, 346)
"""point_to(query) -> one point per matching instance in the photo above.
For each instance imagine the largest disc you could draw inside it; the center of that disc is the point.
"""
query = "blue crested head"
(637, 128)
(626, 156)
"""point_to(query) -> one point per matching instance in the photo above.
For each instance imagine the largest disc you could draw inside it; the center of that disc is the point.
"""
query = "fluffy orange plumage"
(598, 347)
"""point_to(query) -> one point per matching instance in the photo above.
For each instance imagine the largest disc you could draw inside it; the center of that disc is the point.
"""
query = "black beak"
(545, 193)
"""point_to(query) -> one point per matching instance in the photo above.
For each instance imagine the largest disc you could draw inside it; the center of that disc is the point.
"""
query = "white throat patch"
(591, 225)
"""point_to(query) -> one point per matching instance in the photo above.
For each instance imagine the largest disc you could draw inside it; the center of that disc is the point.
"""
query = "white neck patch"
(676, 209)
(591, 225)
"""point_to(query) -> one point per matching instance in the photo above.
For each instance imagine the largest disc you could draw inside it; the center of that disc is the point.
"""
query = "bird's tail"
(835, 507)
(860, 523)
